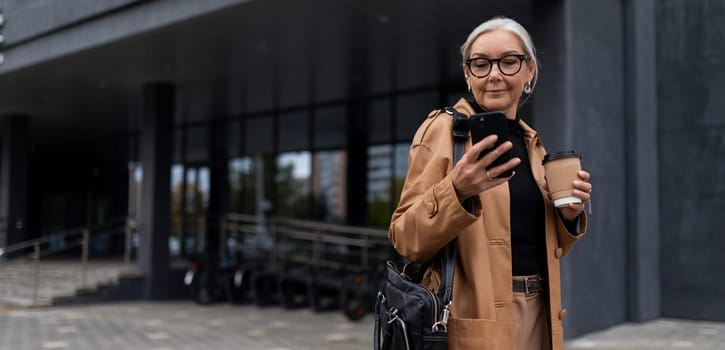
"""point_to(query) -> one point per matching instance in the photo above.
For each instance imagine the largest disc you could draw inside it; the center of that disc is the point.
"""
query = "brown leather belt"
(530, 285)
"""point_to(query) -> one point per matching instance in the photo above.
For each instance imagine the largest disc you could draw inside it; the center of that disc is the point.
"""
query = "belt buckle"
(526, 284)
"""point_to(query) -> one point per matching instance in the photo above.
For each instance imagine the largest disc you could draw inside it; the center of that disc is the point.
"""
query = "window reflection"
(387, 166)
(249, 188)
(177, 198)
(300, 168)
(240, 182)
(399, 170)
(196, 207)
(191, 192)
(380, 159)
(189, 208)
(292, 184)
(328, 186)
(135, 177)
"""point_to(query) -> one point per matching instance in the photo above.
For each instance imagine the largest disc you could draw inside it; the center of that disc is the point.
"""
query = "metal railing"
(315, 244)
(62, 241)
(271, 241)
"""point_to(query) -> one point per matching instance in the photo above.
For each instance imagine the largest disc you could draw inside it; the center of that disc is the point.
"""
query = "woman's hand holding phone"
(491, 123)
(473, 175)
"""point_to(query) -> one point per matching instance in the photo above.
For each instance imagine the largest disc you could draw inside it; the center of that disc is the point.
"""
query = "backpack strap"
(460, 130)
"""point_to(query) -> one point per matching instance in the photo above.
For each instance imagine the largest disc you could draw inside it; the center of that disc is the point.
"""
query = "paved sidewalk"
(185, 325)
(661, 334)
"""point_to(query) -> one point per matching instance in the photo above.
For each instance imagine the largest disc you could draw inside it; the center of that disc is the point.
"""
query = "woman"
(506, 288)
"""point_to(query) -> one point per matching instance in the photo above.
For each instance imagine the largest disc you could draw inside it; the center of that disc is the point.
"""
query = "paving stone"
(182, 325)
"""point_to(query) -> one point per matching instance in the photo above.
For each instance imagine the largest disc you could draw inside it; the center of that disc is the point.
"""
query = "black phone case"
(489, 123)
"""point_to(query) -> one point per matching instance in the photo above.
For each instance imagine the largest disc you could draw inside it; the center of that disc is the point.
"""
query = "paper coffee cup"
(562, 169)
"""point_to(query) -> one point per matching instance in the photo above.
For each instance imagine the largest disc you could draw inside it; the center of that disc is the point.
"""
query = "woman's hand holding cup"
(582, 189)
(567, 183)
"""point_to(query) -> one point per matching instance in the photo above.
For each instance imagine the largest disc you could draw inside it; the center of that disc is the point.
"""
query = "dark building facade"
(176, 111)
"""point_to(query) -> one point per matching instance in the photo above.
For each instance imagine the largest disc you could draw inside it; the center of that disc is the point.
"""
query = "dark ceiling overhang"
(254, 56)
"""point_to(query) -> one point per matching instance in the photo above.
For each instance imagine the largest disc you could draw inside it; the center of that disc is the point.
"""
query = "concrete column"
(357, 130)
(13, 179)
(691, 140)
(357, 162)
(579, 104)
(218, 187)
(156, 154)
(643, 239)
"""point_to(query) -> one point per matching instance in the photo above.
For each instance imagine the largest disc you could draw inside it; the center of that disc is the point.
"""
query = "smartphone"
(490, 123)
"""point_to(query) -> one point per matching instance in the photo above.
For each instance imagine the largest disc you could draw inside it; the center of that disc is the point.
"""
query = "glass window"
(409, 65)
(264, 183)
(197, 143)
(196, 205)
(259, 87)
(379, 121)
(292, 184)
(400, 170)
(248, 185)
(204, 185)
(177, 201)
(233, 139)
(329, 184)
(330, 127)
(380, 159)
(241, 185)
(293, 131)
(259, 135)
(193, 198)
(411, 112)
(135, 173)
(178, 145)
(453, 97)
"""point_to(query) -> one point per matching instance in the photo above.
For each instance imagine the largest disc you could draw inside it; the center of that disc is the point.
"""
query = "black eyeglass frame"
(521, 58)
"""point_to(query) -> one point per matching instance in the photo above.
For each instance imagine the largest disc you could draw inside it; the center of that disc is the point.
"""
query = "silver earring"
(527, 87)
(469, 88)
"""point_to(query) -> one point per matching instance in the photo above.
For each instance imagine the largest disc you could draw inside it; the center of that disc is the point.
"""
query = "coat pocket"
(479, 334)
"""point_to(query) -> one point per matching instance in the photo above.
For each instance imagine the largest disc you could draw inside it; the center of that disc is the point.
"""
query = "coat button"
(562, 314)
(558, 253)
(431, 209)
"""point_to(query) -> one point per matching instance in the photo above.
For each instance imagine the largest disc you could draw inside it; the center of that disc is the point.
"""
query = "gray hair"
(505, 24)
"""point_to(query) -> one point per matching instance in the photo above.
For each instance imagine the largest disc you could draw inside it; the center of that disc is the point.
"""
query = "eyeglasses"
(508, 65)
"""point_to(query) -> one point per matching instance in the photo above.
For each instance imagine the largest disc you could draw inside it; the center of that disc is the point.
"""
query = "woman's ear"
(532, 69)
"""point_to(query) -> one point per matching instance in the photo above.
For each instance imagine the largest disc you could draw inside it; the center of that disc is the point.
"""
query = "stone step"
(60, 281)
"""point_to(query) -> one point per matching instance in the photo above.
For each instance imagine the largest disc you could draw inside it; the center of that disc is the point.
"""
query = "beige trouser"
(531, 329)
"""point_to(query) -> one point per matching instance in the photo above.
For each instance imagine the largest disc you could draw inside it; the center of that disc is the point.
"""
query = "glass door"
(190, 204)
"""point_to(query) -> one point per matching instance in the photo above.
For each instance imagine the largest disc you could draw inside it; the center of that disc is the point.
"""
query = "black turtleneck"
(528, 232)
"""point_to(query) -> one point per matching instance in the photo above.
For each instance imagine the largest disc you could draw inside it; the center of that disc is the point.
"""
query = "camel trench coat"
(429, 215)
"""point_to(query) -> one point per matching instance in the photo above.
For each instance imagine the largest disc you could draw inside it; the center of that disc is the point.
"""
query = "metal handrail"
(38, 241)
(323, 226)
(60, 234)
(364, 238)
(65, 235)
(283, 230)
